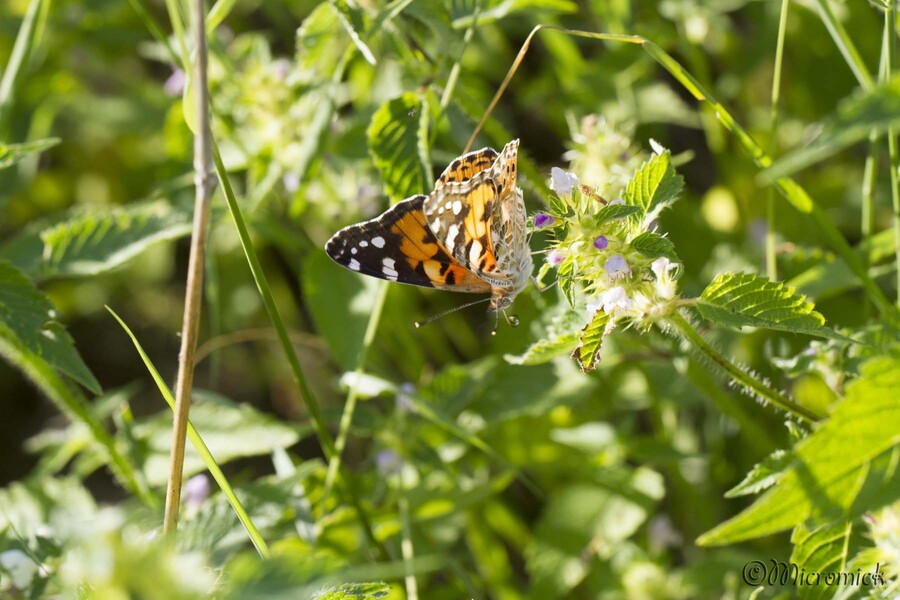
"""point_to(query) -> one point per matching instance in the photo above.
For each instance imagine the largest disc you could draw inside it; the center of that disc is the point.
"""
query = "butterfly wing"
(399, 246)
(466, 216)
(467, 166)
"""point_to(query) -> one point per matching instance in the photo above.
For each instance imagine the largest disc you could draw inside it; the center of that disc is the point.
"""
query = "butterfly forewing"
(467, 166)
(399, 246)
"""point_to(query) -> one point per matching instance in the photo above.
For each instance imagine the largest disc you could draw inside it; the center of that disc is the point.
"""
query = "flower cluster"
(609, 250)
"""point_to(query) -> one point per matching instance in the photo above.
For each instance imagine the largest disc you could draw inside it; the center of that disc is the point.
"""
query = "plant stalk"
(740, 376)
(771, 258)
(193, 300)
(890, 16)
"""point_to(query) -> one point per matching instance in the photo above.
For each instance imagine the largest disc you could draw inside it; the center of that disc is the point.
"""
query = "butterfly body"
(468, 235)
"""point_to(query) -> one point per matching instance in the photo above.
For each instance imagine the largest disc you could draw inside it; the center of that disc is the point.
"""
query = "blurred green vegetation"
(481, 478)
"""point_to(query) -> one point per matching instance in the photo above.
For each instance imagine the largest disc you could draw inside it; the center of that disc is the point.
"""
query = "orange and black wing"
(399, 246)
(467, 166)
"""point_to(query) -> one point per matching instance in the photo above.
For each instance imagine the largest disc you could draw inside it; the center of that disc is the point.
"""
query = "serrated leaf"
(89, 243)
(653, 245)
(544, 351)
(854, 120)
(587, 353)
(11, 154)
(230, 431)
(354, 591)
(832, 469)
(27, 318)
(762, 476)
(614, 211)
(394, 145)
(654, 186)
(737, 300)
(352, 20)
(566, 277)
(822, 549)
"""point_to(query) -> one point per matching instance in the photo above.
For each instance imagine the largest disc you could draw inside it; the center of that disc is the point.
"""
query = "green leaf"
(230, 431)
(822, 549)
(352, 20)
(27, 40)
(340, 303)
(763, 475)
(587, 353)
(653, 245)
(27, 318)
(832, 466)
(394, 145)
(89, 243)
(855, 118)
(354, 591)
(614, 211)
(737, 300)
(565, 275)
(11, 154)
(654, 186)
(544, 351)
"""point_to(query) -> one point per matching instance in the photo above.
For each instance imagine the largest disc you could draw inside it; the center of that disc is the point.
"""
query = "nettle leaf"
(89, 243)
(614, 211)
(543, 351)
(27, 319)
(566, 277)
(834, 471)
(763, 475)
(230, 431)
(821, 549)
(354, 591)
(587, 353)
(737, 300)
(654, 186)
(653, 245)
(394, 146)
(352, 20)
(10, 154)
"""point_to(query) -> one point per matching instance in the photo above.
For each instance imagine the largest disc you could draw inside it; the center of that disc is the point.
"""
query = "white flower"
(665, 286)
(555, 257)
(617, 201)
(195, 492)
(657, 147)
(616, 267)
(562, 182)
(19, 566)
(615, 299)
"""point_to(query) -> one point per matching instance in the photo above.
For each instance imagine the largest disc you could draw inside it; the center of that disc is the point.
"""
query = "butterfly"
(468, 235)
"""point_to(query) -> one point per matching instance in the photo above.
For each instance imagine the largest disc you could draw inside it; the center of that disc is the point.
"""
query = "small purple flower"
(600, 243)
(388, 462)
(616, 267)
(542, 220)
(555, 257)
(195, 491)
(174, 85)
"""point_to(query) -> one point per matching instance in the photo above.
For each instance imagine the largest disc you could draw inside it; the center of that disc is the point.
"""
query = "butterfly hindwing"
(467, 166)
(399, 246)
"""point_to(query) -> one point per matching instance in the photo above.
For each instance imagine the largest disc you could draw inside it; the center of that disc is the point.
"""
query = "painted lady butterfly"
(468, 235)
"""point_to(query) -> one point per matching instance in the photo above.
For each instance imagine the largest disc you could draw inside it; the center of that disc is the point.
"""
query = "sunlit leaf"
(28, 318)
(587, 353)
(822, 549)
(653, 245)
(763, 475)
(830, 468)
(738, 300)
(544, 350)
(394, 145)
(654, 186)
(10, 154)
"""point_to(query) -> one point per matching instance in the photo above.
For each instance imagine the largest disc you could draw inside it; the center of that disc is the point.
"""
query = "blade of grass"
(890, 16)
(26, 39)
(845, 45)
(218, 13)
(788, 188)
(155, 30)
(193, 295)
(324, 436)
(201, 447)
(771, 262)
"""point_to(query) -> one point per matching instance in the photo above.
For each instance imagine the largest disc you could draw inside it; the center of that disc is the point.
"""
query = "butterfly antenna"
(444, 313)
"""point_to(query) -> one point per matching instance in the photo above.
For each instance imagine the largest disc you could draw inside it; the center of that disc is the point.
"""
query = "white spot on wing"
(354, 264)
(378, 242)
(354, 250)
(363, 244)
(388, 268)
(452, 232)
(457, 206)
(475, 253)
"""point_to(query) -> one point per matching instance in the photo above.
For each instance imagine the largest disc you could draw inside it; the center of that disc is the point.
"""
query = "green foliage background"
(487, 466)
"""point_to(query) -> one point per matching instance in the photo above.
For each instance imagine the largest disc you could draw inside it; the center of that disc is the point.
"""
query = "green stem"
(845, 45)
(771, 263)
(739, 376)
(262, 284)
(890, 16)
